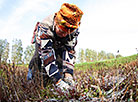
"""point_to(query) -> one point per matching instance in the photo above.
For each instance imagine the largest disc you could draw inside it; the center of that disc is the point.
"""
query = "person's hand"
(63, 86)
(69, 79)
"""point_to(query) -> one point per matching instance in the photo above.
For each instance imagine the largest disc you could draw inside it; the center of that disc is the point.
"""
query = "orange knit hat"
(68, 16)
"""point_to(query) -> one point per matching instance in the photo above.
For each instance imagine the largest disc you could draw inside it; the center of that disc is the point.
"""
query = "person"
(55, 39)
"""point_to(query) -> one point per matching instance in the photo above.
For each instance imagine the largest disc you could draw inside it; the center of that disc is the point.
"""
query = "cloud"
(103, 22)
(1, 3)
(13, 23)
(115, 15)
(26, 7)
(22, 19)
(109, 25)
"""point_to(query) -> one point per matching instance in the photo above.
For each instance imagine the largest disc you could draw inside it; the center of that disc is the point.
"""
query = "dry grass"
(117, 84)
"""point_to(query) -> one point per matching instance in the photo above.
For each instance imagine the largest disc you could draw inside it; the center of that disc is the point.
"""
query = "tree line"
(18, 55)
(88, 55)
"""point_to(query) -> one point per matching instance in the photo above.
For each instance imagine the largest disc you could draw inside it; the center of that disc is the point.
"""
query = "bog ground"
(117, 83)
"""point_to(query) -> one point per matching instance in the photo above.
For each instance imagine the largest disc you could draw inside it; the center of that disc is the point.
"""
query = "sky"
(108, 25)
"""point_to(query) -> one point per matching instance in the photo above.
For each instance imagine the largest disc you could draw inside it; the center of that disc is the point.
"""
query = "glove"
(63, 86)
(70, 81)
(29, 75)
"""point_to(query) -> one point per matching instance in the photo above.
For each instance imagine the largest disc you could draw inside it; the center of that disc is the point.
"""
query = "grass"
(102, 81)
(106, 63)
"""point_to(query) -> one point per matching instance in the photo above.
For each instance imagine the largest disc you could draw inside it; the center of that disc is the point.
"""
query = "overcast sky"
(108, 25)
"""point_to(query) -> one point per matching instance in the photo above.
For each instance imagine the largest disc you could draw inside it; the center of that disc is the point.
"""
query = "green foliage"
(110, 56)
(115, 84)
(28, 53)
(4, 50)
(81, 55)
(89, 55)
(17, 51)
(1, 46)
(106, 63)
(102, 55)
(117, 56)
(5, 54)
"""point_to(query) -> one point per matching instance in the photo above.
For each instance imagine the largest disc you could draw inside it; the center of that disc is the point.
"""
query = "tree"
(17, 51)
(81, 56)
(117, 56)
(4, 50)
(110, 56)
(5, 54)
(94, 55)
(90, 55)
(102, 55)
(28, 53)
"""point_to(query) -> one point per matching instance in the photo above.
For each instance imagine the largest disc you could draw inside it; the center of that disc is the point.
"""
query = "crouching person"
(55, 38)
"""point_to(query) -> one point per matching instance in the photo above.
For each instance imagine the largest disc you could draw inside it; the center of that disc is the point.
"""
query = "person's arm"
(69, 54)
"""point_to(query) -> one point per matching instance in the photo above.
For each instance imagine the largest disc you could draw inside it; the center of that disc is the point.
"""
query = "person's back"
(56, 38)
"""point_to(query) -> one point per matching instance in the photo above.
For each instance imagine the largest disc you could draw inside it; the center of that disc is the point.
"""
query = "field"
(113, 80)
